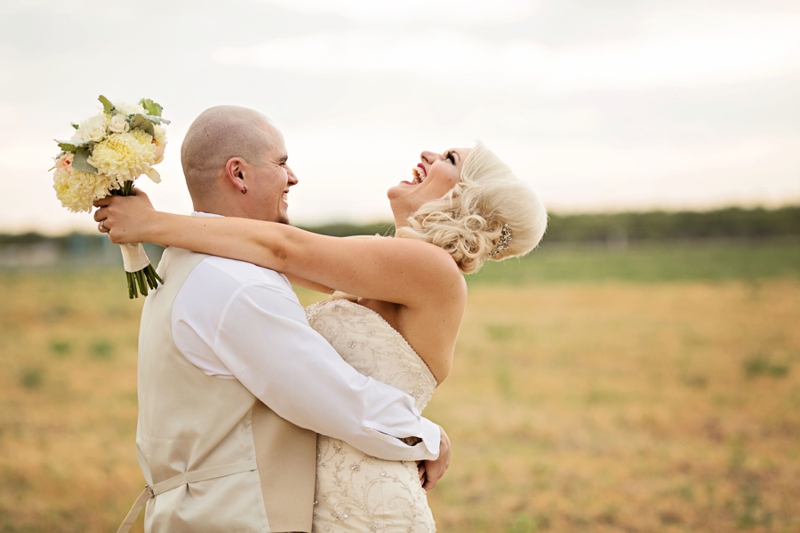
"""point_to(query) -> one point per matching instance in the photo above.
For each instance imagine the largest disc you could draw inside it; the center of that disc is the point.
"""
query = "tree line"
(728, 223)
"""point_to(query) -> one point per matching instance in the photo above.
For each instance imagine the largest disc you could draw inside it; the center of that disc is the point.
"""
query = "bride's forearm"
(308, 284)
(157, 228)
(261, 243)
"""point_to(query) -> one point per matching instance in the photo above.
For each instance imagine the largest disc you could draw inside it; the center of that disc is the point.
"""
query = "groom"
(233, 383)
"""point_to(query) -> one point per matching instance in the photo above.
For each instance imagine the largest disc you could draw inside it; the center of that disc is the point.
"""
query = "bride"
(397, 302)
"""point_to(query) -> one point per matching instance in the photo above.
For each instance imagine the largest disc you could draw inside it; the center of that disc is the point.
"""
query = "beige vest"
(215, 458)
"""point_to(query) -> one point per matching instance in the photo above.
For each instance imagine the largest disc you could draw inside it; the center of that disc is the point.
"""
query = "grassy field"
(651, 390)
(649, 262)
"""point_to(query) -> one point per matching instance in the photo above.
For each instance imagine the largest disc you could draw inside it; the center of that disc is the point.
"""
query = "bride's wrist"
(155, 228)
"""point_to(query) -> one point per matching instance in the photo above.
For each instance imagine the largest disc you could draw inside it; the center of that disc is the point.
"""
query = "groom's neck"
(219, 208)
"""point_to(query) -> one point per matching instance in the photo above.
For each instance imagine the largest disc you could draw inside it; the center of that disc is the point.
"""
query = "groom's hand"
(432, 471)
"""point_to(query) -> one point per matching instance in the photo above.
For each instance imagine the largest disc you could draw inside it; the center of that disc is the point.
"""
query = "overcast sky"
(600, 105)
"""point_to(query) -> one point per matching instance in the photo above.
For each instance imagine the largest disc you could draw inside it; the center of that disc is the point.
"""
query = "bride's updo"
(489, 214)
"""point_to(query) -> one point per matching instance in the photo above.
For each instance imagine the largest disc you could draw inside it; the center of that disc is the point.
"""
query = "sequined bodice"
(369, 344)
(356, 492)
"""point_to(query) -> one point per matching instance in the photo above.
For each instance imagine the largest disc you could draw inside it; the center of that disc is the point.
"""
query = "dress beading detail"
(357, 492)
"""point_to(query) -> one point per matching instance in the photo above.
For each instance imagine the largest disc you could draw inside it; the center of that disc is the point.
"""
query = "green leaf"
(67, 146)
(151, 107)
(139, 121)
(72, 146)
(108, 107)
(80, 161)
(76, 126)
(156, 119)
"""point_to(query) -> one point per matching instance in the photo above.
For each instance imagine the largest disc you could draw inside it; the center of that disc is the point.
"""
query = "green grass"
(649, 262)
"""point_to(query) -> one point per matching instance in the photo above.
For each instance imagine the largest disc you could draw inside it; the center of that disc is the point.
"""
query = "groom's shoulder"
(240, 272)
(214, 283)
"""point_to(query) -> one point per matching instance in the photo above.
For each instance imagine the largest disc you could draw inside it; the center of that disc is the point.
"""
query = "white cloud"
(417, 11)
(734, 52)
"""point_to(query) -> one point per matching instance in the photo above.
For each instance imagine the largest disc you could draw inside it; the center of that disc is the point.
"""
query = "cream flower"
(77, 190)
(142, 137)
(118, 124)
(129, 109)
(94, 128)
(124, 156)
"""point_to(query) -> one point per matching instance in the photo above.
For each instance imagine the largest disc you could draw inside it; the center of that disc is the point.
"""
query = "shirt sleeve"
(265, 340)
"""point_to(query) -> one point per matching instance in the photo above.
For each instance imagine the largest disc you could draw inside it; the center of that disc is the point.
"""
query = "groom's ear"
(234, 173)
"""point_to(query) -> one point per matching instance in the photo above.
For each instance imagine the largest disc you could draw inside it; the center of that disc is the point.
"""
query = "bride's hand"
(126, 219)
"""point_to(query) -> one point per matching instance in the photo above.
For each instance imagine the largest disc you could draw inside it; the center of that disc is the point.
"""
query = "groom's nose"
(292, 178)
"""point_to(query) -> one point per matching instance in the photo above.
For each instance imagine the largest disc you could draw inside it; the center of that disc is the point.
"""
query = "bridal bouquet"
(105, 156)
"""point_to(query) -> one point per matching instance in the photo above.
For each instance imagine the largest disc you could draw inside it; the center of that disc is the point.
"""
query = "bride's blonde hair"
(469, 220)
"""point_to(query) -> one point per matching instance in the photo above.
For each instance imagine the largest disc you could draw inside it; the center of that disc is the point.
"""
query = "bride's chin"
(394, 191)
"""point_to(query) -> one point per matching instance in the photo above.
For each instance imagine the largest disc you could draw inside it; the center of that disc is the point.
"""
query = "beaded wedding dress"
(356, 492)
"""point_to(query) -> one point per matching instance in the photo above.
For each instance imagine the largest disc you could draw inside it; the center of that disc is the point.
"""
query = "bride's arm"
(402, 271)
(308, 284)
(312, 286)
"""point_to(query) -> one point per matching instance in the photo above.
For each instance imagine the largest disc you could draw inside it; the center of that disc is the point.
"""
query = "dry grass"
(620, 407)
(67, 401)
(572, 407)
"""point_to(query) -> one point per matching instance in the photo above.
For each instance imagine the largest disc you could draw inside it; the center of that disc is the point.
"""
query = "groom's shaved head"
(217, 135)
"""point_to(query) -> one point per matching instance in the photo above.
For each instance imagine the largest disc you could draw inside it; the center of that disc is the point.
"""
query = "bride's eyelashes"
(451, 156)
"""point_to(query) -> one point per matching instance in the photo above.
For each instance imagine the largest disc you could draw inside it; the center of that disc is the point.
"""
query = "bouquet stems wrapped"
(104, 157)
(139, 271)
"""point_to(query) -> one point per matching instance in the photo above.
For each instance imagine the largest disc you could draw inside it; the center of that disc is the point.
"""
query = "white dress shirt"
(236, 320)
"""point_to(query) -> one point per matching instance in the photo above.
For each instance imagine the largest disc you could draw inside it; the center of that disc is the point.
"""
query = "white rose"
(94, 129)
(129, 109)
(119, 124)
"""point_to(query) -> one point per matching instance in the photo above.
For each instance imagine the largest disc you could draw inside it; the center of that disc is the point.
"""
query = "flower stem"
(140, 281)
(131, 287)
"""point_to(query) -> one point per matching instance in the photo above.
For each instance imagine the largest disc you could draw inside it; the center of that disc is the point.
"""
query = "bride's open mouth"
(419, 174)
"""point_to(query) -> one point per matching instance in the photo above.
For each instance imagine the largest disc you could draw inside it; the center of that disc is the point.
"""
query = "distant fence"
(616, 230)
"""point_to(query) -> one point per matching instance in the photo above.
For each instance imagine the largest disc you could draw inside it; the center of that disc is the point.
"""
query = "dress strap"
(181, 479)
